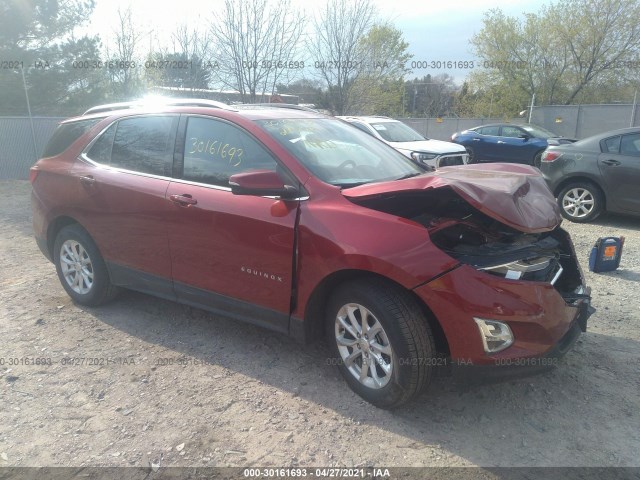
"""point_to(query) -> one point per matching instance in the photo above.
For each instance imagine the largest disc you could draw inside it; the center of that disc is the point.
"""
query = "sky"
(436, 31)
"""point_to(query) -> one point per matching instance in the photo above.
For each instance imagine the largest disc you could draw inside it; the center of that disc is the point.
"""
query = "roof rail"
(276, 105)
(167, 102)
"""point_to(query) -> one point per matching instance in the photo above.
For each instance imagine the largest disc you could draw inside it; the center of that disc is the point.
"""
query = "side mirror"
(524, 136)
(263, 183)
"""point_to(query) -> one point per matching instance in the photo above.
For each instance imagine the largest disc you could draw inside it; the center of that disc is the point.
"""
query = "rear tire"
(580, 202)
(381, 342)
(81, 268)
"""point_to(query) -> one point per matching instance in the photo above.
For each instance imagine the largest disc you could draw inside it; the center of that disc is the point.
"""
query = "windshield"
(339, 154)
(539, 132)
(396, 132)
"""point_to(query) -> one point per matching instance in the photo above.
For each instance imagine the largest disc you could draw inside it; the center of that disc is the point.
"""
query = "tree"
(336, 47)
(256, 44)
(185, 65)
(308, 91)
(37, 36)
(483, 94)
(431, 96)
(378, 86)
(125, 60)
(604, 36)
(560, 51)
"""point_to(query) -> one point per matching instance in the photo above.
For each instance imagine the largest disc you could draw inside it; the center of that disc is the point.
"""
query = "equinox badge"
(258, 273)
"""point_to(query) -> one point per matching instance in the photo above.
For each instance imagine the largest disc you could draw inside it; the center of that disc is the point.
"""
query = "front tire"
(537, 160)
(80, 267)
(381, 341)
(472, 155)
(580, 202)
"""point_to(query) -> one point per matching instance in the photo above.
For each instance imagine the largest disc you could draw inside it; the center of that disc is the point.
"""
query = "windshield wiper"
(410, 175)
(352, 184)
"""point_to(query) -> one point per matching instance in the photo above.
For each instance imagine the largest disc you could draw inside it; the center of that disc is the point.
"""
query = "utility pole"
(33, 130)
(533, 101)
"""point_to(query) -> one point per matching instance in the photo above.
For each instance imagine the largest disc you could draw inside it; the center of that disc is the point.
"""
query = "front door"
(230, 253)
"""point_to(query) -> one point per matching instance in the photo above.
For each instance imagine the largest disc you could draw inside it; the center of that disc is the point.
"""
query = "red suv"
(300, 223)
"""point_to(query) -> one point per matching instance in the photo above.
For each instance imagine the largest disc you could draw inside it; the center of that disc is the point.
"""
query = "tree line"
(345, 58)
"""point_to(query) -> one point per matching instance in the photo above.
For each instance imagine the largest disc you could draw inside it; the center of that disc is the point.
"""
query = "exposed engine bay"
(475, 239)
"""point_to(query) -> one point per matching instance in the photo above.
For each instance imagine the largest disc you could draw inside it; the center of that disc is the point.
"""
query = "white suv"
(432, 153)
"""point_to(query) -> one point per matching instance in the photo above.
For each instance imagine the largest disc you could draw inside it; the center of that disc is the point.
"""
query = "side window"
(611, 145)
(513, 132)
(144, 144)
(494, 131)
(66, 134)
(100, 151)
(362, 127)
(630, 144)
(214, 150)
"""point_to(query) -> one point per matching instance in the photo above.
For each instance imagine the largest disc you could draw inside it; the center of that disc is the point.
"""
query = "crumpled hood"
(515, 195)
(429, 146)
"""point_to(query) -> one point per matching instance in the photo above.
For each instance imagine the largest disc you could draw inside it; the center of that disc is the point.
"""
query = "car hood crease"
(515, 195)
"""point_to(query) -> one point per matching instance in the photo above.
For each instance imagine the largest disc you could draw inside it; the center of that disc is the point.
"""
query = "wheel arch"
(54, 228)
(540, 151)
(314, 314)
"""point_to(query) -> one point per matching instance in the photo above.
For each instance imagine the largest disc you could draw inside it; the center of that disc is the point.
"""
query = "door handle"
(500, 141)
(611, 163)
(87, 180)
(184, 200)
(475, 139)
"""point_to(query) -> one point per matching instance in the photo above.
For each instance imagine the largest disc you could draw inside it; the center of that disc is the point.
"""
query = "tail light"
(33, 174)
(550, 156)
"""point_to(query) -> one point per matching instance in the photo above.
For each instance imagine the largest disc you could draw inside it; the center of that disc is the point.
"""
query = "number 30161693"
(217, 148)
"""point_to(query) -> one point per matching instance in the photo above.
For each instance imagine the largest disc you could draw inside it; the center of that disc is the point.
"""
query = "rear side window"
(494, 131)
(630, 144)
(144, 144)
(512, 132)
(66, 134)
(215, 150)
(100, 151)
(612, 145)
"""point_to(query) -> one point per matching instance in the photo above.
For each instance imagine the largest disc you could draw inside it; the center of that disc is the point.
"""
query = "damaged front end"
(473, 238)
(518, 282)
(476, 240)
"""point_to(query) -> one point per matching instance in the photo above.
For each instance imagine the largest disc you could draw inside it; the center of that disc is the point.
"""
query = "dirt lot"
(173, 386)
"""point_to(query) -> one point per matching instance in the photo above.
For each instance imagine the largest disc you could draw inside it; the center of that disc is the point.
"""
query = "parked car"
(298, 222)
(431, 153)
(598, 173)
(506, 142)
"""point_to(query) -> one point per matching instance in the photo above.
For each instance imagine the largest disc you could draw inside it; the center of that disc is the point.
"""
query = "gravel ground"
(171, 385)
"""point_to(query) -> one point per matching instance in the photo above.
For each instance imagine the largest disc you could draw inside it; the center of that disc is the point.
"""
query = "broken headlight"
(541, 269)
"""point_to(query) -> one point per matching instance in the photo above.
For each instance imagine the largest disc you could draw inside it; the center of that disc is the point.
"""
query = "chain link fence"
(18, 152)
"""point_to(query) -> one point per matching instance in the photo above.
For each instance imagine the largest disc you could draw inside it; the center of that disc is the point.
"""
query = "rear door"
(121, 181)
(514, 147)
(484, 143)
(230, 253)
(619, 164)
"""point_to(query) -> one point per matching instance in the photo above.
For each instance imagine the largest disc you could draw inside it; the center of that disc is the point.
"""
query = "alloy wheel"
(578, 202)
(364, 346)
(76, 265)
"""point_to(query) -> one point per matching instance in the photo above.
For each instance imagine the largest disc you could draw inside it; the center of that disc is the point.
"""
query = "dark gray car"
(595, 174)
